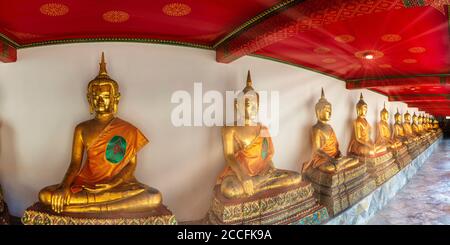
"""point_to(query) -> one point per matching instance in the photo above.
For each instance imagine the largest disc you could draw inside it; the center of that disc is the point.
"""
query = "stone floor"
(425, 200)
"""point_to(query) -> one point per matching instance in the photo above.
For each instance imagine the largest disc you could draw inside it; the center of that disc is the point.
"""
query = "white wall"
(42, 98)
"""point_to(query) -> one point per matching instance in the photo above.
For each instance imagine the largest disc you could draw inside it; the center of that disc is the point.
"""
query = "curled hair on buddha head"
(103, 79)
(322, 103)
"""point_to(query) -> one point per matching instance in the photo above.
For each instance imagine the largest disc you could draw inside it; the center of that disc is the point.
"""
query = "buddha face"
(415, 120)
(398, 118)
(324, 113)
(250, 110)
(384, 116)
(361, 110)
(407, 118)
(101, 98)
(420, 120)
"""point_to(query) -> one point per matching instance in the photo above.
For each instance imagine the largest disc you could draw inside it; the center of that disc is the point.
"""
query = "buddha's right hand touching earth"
(60, 197)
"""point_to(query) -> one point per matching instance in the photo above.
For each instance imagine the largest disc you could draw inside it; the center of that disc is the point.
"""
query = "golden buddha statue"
(384, 132)
(435, 124)
(420, 124)
(105, 182)
(339, 181)
(250, 176)
(429, 124)
(248, 151)
(408, 132)
(415, 125)
(399, 132)
(361, 144)
(325, 147)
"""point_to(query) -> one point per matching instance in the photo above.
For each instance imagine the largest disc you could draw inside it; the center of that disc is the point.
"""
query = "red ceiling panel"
(408, 41)
(402, 45)
(194, 21)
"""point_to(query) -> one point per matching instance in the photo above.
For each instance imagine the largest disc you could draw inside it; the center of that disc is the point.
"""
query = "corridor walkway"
(425, 199)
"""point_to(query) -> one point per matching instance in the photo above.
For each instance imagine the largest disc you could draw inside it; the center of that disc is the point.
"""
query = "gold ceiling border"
(107, 39)
(256, 19)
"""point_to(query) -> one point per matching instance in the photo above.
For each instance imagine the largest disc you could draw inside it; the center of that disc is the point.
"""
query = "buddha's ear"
(116, 103)
(91, 106)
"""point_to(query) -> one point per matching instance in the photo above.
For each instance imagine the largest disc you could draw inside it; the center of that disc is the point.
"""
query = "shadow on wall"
(306, 142)
(10, 165)
(351, 107)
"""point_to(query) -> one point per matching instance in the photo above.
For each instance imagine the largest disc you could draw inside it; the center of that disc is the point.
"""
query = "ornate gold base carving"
(40, 215)
(381, 167)
(286, 205)
(350, 196)
(4, 214)
(340, 190)
(402, 157)
(336, 179)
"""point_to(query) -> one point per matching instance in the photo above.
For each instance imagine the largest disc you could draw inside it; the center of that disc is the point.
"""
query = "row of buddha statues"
(102, 189)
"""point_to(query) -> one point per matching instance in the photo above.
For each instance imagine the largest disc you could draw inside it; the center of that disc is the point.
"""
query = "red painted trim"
(8, 53)
(374, 83)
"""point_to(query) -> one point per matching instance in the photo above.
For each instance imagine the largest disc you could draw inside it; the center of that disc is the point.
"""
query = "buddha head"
(384, 114)
(415, 119)
(398, 117)
(247, 103)
(407, 117)
(361, 107)
(436, 123)
(323, 109)
(420, 119)
(103, 92)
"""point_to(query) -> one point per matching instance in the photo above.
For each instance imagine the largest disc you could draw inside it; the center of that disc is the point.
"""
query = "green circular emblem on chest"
(115, 150)
(265, 149)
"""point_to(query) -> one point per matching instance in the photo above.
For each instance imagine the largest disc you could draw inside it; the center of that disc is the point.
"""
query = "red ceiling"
(409, 38)
(318, 48)
(205, 20)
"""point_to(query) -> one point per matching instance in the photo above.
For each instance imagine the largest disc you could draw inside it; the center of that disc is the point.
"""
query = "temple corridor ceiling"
(399, 48)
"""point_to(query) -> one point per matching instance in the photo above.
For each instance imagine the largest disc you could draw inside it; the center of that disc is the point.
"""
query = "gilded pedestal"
(285, 205)
(402, 156)
(380, 167)
(338, 191)
(4, 214)
(38, 214)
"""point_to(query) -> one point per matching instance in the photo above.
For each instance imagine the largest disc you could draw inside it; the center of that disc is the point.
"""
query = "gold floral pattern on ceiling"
(176, 9)
(116, 16)
(344, 38)
(54, 9)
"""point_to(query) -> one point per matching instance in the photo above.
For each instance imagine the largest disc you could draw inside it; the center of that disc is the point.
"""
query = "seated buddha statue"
(326, 155)
(435, 124)
(399, 130)
(384, 132)
(420, 124)
(360, 143)
(250, 177)
(408, 132)
(415, 125)
(429, 123)
(105, 183)
(248, 151)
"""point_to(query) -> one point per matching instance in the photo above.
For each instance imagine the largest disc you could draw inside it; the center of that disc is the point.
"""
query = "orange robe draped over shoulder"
(109, 153)
(255, 157)
(328, 144)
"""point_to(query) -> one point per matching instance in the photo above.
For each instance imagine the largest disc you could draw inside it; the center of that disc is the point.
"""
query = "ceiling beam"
(420, 97)
(285, 20)
(418, 80)
(8, 53)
